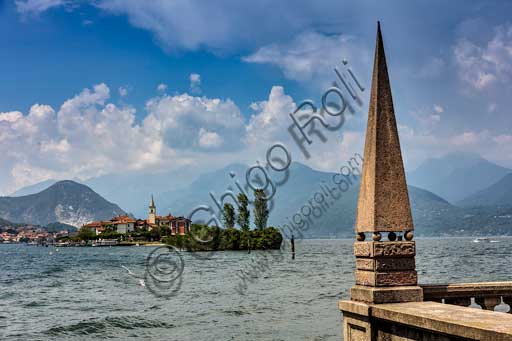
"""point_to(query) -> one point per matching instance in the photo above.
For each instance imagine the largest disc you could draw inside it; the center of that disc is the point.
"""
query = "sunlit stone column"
(384, 250)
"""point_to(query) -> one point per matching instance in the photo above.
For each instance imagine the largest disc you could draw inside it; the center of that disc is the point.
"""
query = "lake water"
(85, 293)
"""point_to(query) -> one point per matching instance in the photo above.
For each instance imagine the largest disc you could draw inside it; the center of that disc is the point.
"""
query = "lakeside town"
(34, 235)
(122, 228)
(125, 230)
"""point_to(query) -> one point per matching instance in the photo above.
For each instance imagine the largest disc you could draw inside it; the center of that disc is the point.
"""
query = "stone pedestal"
(385, 272)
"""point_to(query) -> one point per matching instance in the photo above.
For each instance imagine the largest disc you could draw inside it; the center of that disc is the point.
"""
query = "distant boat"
(105, 242)
(481, 240)
(485, 240)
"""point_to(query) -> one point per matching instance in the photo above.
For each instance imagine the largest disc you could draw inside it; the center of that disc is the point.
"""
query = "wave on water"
(236, 312)
(34, 304)
(53, 270)
(107, 326)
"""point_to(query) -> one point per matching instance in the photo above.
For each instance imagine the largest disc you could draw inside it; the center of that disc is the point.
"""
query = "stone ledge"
(385, 264)
(386, 295)
(447, 319)
(354, 307)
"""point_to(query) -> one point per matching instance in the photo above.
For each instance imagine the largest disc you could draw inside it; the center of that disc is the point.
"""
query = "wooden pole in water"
(292, 241)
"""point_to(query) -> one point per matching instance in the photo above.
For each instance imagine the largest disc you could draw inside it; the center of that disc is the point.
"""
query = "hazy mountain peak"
(65, 201)
(456, 175)
(497, 194)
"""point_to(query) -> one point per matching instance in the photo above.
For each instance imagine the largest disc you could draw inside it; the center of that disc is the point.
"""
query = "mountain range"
(128, 190)
(433, 215)
(498, 194)
(455, 176)
(486, 209)
(4, 222)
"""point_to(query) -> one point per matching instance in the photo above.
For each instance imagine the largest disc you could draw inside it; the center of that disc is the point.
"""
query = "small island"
(182, 233)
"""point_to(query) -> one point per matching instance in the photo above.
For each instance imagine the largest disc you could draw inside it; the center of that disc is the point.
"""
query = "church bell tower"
(152, 212)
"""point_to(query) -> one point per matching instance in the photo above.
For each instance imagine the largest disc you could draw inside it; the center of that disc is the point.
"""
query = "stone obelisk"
(385, 269)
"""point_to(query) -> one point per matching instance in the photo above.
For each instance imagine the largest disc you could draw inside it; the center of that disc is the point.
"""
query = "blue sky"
(105, 86)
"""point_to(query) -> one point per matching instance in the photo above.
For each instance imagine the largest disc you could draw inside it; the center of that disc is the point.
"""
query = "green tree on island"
(243, 212)
(243, 220)
(228, 214)
(86, 234)
(260, 209)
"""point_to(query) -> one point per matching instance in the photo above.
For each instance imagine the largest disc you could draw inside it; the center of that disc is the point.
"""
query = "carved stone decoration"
(394, 249)
(362, 249)
(395, 264)
(385, 249)
(385, 264)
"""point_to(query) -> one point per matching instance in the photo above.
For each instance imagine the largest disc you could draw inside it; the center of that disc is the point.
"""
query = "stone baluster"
(460, 301)
(488, 303)
(508, 300)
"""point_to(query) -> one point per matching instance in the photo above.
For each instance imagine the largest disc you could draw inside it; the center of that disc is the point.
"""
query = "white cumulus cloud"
(89, 136)
(209, 139)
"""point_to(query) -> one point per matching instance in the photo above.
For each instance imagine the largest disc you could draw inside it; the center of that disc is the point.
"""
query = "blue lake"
(85, 293)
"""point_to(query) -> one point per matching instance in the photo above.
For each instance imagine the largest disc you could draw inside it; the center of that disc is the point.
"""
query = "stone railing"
(422, 321)
(487, 295)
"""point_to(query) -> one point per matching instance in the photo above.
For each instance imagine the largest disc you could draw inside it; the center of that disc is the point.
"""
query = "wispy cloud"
(195, 83)
(123, 91)
(161, 87)
(483, 65)
(35, 7)
(311, 55)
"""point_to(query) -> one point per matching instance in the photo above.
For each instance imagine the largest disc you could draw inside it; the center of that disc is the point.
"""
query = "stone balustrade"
(487, 295)
(422, 321)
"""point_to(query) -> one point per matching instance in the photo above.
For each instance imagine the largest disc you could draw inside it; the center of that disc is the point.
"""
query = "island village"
(102, 231)
(126, 224)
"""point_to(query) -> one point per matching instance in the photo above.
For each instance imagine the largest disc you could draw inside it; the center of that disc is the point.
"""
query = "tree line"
(260, 211)
(230, 238)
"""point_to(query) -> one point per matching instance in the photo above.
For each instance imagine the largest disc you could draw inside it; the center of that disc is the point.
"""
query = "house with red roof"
(125, 223)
